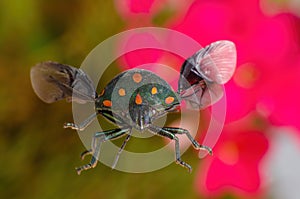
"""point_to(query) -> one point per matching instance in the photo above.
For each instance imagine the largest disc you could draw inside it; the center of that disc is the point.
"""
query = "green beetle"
(137, 97)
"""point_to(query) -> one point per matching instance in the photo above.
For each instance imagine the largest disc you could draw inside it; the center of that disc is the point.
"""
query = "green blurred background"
(38, 156)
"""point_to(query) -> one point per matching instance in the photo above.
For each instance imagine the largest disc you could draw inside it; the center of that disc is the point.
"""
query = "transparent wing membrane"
(203, 74)
(53, 81)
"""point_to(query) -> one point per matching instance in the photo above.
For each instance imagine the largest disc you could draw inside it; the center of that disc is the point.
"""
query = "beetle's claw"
(185, 165)
(70, 125)
(206, 148)
(78, 170)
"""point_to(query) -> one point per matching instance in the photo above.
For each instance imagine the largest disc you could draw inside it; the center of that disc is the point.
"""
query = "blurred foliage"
(38, 155)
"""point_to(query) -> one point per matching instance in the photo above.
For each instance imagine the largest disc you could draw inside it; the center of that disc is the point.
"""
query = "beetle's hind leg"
(98, 138)
(196, 145)
(165, 133)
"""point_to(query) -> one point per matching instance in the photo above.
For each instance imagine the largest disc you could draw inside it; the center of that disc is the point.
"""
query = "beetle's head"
(142, 115)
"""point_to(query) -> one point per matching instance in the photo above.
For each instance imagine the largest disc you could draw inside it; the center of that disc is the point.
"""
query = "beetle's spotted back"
(133, 88)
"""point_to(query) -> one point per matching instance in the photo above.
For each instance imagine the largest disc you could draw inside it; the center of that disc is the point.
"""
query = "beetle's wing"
(53, 81)
(205, 71)
(198, 97)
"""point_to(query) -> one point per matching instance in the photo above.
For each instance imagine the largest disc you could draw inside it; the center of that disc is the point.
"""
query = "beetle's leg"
(93, 145)
(83, 125)
(120, 150)
(196, 145)
(98, 138)
(85, 153)
(165, 133)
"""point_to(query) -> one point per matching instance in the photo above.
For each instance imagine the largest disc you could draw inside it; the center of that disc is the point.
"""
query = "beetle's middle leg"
(81, 126)
(165, 133)
(196, 145)
(98, 138)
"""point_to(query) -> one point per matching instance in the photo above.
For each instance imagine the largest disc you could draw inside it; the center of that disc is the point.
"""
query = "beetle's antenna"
(121, 149)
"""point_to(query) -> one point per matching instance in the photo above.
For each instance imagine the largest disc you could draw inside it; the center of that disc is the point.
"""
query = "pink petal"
(234, 166)
(140, 6)
(279, 97)
(142, 55)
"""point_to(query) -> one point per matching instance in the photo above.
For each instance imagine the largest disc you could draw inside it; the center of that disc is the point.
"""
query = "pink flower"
(234, 167)
(279, 98)
(265, 82)
(265, 45)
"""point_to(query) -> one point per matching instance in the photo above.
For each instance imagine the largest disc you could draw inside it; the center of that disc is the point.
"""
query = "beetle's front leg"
(98, 138)
(83, 125)
(196, 145)
(121, 149)
(165, 133)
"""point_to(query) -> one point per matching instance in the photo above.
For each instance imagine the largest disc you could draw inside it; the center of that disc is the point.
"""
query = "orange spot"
(122, 92)
(107, 103)
(102, 92)
(154, 90)
(137, 77)
(169, 100)
(138, 99)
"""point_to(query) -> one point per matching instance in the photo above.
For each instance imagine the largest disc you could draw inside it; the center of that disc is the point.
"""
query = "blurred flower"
(265, 44)
(265, 82)
(234, 167)
(278, 98)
